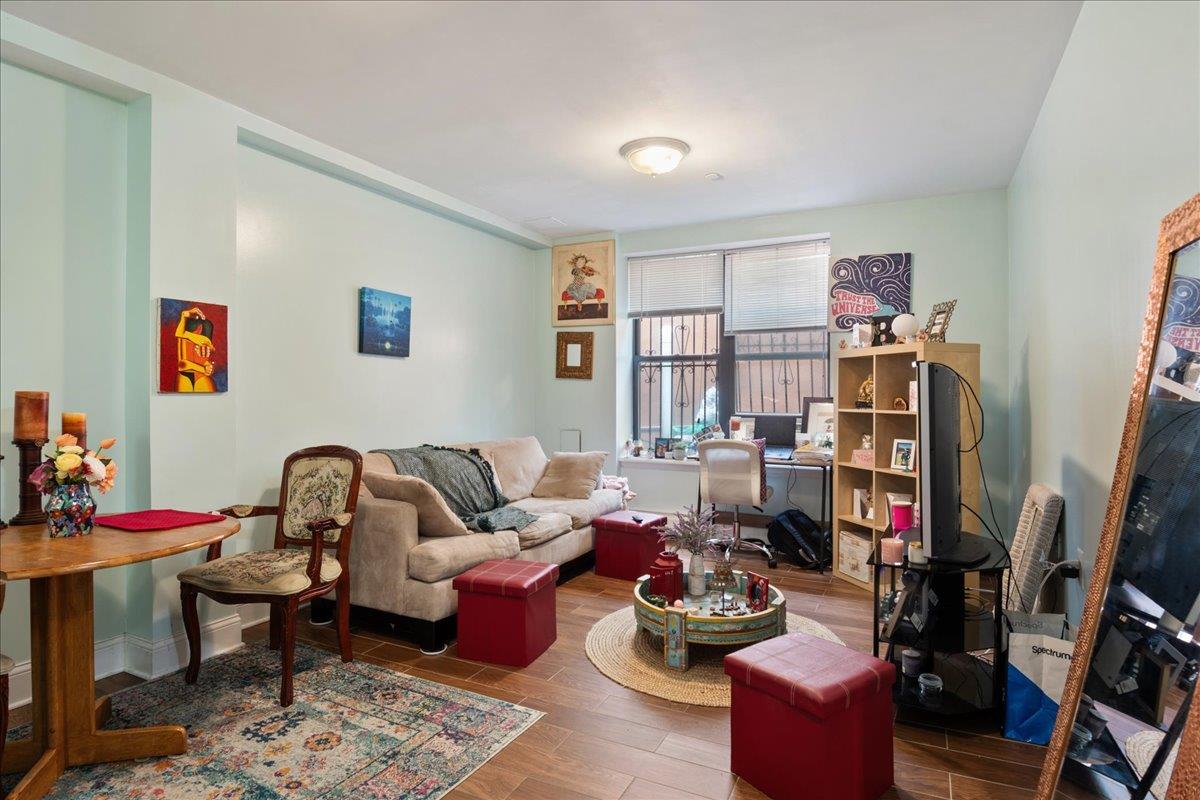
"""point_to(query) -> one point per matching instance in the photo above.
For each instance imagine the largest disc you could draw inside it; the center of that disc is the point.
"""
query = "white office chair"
(731, 473)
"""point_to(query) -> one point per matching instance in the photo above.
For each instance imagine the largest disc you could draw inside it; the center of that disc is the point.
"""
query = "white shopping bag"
(1037, 672)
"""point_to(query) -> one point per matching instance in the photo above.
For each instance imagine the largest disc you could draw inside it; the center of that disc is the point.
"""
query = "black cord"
(978, 437)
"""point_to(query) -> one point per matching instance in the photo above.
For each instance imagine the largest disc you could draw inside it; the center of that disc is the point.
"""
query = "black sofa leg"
(320, 611)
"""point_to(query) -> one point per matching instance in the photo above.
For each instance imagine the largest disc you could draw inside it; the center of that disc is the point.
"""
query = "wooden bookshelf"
(892, 366)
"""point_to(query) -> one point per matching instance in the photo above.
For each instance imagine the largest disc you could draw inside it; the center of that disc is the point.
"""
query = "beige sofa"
(396, 569)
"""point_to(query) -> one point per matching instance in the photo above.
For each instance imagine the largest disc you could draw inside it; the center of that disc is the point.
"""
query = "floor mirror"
(1126, 727)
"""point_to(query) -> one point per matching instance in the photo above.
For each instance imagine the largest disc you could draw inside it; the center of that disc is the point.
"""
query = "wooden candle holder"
(30, 512)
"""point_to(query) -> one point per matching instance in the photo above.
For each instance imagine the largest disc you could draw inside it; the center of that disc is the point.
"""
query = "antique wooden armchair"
(317, 500)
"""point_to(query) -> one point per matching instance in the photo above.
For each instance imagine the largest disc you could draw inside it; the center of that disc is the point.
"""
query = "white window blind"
(672, 284)
(778, 287)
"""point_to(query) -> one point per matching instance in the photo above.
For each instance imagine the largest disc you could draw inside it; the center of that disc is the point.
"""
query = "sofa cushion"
(378, 462)
(543, 529)
(518, 462)
(572, 475)
(582, 512)
(434, 517)
(439, 558)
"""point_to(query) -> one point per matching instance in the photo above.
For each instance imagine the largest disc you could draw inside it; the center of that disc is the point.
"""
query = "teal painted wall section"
(62, 288)
(1116, 146)
(960, 250)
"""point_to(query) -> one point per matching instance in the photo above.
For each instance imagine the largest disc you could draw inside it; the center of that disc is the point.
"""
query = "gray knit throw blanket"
(465, 481)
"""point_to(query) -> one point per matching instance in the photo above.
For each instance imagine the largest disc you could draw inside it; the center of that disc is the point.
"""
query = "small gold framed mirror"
(1125, 726)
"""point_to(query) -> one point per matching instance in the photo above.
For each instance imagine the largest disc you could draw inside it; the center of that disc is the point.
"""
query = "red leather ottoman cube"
(625, 547)
(811, 719)
(506, 611)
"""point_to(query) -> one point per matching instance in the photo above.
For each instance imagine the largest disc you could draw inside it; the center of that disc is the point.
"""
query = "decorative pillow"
(572, 475)
(761, 444)
(434, 517)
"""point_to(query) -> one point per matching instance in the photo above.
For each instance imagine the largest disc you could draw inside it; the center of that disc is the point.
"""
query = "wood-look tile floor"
(601, 741)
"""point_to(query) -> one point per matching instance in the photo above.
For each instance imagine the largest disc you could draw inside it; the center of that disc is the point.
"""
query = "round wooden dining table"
(67, 719)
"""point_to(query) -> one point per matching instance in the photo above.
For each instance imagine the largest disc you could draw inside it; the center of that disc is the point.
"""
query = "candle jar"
(892, 550)
(70, 511)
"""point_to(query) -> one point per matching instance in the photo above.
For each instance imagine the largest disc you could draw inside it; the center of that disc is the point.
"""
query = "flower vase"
(696, 581)
(70, 511)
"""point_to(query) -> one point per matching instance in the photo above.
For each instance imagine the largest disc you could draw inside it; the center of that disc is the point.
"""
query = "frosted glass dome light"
(655, 155)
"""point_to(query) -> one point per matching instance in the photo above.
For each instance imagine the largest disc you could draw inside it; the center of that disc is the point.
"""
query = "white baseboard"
(153, 659)
(110, 659)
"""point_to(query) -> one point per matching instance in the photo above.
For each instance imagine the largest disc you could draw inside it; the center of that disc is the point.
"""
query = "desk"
(825, 467)
(67, 719)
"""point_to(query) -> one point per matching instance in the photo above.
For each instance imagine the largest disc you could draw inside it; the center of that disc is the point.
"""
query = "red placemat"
(155, 519)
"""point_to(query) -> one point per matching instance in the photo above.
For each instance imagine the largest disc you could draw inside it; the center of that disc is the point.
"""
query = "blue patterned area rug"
(354, 730)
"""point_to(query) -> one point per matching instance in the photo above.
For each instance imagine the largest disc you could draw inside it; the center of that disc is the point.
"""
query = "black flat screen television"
(938, 463)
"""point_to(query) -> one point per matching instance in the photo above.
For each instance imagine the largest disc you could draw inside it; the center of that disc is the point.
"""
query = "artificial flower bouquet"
(71, 464)
(67, 476)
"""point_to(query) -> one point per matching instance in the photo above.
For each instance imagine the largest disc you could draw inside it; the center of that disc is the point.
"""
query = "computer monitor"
(938, 465)
(778, 429)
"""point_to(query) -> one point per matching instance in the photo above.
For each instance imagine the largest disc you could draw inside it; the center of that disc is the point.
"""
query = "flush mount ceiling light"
(655, 155)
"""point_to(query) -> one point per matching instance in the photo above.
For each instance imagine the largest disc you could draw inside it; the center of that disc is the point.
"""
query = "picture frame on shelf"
(819, 421)
(939, 321)
(904, 455)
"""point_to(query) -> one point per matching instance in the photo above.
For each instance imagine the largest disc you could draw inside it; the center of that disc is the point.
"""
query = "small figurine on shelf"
(865, 455)
(866, 393)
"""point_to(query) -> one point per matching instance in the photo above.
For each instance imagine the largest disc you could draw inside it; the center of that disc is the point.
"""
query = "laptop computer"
(780, 432)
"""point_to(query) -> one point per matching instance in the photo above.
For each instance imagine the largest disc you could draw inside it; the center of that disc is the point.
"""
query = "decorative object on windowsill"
(758, 592)
(904, 455)
(661, 447)
(863, 286)
(882, 331)
(574, 354)
(899, 404)
(679, 450)
(666, 576)
(31, 425)
(905, 326)
(582, 283)
(692, 530)
(862, 335)
(67, 476)
(866, 393)
(193, 347)
(939, 321)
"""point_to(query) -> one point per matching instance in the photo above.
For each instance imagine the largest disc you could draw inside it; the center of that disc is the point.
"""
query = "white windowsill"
(693, 464)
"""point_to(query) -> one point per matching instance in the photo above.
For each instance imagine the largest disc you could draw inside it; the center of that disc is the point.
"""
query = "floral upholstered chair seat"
(262, 572)
(314, 521)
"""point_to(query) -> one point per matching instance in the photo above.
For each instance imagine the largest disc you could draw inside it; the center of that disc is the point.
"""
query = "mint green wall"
(959, 247)
(1116, 146)
(62, 289)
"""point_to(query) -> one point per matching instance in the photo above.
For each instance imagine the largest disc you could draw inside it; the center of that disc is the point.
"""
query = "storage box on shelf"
(893, 368)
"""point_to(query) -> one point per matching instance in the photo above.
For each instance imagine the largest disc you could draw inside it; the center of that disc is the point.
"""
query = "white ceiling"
(519, 108)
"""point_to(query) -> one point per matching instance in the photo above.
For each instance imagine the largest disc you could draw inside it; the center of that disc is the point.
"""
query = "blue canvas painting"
(384, 320)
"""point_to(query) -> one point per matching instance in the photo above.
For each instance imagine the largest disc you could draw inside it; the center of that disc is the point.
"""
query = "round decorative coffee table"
(699, 621)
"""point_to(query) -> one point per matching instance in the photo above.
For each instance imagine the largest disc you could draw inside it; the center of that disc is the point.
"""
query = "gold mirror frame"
(1180, 227)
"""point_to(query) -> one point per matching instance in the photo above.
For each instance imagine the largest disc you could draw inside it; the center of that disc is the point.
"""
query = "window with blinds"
(777, 287)
(675, 284)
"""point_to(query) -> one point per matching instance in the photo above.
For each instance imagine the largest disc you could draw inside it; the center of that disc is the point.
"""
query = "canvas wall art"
(193, 347)
(861, 287)
(384, 322)
(581, 277)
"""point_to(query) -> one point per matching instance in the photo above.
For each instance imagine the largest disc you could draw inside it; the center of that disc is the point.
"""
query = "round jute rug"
(1141, 747)
(634, 658)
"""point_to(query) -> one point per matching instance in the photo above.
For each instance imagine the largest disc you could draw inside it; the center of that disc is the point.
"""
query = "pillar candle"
(31, 415)
(75, 423)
